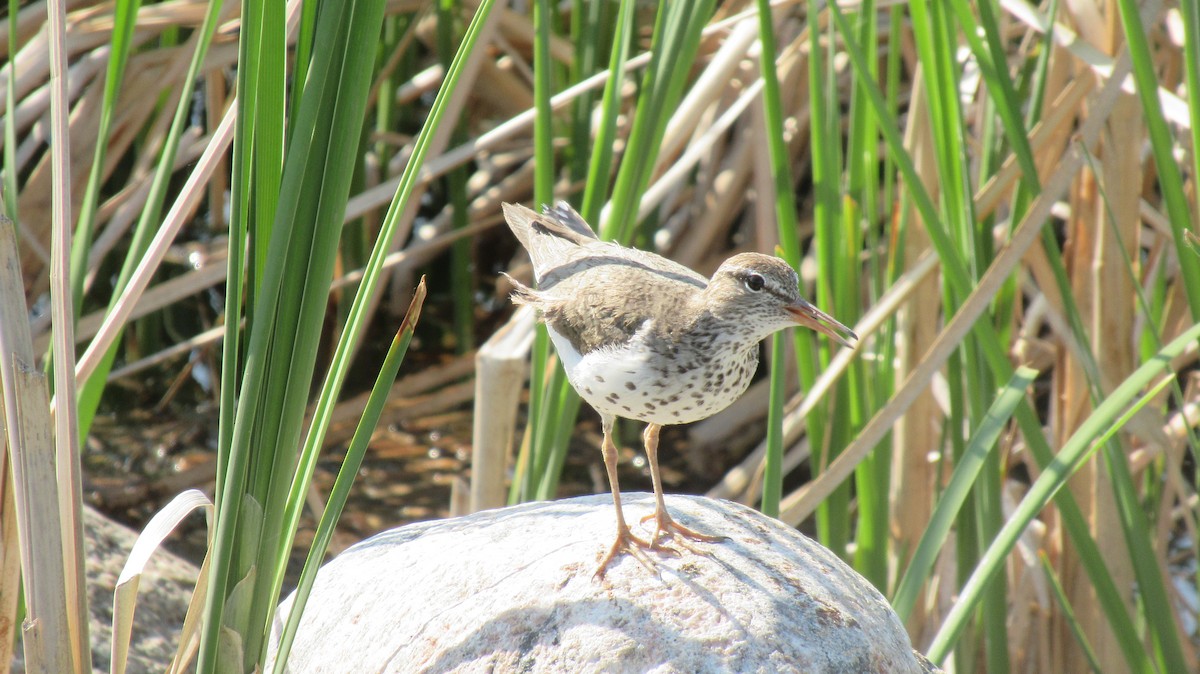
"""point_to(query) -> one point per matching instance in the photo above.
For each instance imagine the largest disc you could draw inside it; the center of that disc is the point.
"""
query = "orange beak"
(811, 317)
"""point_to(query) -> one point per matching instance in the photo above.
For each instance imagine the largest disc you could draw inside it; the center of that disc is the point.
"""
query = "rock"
(163, 596)
(512, 590)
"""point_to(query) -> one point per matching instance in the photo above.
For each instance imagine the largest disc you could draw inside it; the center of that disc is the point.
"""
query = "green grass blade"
(589, 25)
(785, 214)
(92, 389)
(596, 191)
(347, 472)
(832, 518)
(1170, 180)
(563, 406)
(267, 77)
(673, 49)
(954, 274)
(124, 21)
(543, 89)
(1082, 442)
(676, 38)
(1136, 528)
(1110, 596)
(953, 266)
(304, 47)
(554, 405)
(543, 419)
(987, 45)
(772, 490)
(528, 474)
(285, 327)
(1190, 11)
(1069, 614)
(461, 281)
(369, 285)
(10, 106)
(958, 490)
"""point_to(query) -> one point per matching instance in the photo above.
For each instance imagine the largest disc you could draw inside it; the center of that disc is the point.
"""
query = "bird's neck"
(726, 331)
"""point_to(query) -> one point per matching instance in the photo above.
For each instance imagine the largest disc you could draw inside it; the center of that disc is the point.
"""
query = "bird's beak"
(809, 316)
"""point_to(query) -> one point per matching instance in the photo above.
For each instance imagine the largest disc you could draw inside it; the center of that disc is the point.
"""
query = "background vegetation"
(1001, 197)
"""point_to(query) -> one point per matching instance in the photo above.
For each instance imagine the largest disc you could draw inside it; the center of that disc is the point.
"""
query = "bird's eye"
(755, 282)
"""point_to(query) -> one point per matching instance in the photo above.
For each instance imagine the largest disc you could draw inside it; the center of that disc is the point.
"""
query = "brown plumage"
(645, 338)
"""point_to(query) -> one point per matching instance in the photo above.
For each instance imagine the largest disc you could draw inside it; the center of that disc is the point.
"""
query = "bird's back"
(562, 246)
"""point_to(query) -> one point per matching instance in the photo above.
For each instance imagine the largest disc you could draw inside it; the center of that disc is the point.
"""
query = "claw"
(665, 525)
(626, 542)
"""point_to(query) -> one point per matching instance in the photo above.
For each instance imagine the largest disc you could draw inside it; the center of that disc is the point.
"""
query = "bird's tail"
(522, 294)
(520, 220)
(549, 237)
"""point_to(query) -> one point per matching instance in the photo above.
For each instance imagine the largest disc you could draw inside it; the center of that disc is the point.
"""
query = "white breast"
(622, 382)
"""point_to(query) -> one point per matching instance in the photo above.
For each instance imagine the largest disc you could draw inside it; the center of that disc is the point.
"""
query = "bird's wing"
(549, 240)
(560, 244)
(604, 300)
(562, 220)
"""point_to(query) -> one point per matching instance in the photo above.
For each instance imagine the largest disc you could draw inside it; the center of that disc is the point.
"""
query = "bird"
(644, 338)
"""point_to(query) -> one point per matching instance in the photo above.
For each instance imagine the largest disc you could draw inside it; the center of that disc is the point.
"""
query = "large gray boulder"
(163, 596)
(512, 590)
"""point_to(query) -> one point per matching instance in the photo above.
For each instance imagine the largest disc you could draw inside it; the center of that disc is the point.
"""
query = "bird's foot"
(626, 542)
(666, 526)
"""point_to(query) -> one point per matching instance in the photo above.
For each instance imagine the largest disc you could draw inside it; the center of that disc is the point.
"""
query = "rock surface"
(512, 590)
(163, 596)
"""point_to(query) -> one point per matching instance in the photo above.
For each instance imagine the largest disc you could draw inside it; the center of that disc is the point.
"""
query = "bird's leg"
(626, 541)
(663, 522)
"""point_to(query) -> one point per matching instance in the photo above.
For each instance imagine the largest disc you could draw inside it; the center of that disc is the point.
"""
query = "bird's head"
(763, 293)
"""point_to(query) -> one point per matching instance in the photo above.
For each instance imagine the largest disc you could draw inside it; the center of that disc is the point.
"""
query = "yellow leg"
(626, 541)
(664, 525)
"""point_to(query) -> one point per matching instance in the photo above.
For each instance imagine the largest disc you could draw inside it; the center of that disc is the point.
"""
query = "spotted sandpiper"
(642, 337)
